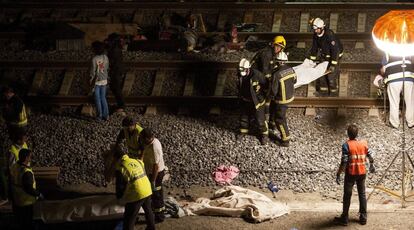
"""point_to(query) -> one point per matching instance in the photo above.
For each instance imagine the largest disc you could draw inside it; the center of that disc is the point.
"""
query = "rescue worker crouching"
(24, 189)
(133, 188)
(281, 93)
(130, 132)
(252, 85)
(327, 46)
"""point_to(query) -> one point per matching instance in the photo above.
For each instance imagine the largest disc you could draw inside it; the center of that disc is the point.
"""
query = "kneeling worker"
(133, 188)
(131, 131)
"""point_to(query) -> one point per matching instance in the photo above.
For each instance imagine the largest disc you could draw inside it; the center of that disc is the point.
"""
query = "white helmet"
(318, 24)
(244, 66)
(281, 57)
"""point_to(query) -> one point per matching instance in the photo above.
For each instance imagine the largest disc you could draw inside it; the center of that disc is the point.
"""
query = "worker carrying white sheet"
(309, 71)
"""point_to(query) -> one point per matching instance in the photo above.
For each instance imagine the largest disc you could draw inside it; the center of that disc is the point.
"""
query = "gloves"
(371, 168)
(379, 81)
(331, 68)
(338, 179)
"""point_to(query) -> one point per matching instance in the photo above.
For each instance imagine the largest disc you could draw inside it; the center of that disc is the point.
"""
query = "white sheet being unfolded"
(309, 71)
(236, 201)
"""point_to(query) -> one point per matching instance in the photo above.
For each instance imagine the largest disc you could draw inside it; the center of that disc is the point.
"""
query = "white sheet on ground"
(104, 207)
(236, 201)
(308, 71)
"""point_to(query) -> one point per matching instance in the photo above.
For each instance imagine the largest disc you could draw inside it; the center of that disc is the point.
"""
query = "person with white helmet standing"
(281, 93)
(252, 85)
(327, 46)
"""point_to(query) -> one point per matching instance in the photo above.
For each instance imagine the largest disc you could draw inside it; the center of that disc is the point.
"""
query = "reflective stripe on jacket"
(22, 118)
(282, 89)
(132, 141)
(358, 151)
(394, 72)
(252, 88)
(133, 172)
(14, 151)
(20, 197)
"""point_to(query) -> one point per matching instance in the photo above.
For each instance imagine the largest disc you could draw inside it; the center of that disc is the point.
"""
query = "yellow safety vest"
(15, 149)
(22, 118)
(132, 140)
(20, 197)
(138, 185)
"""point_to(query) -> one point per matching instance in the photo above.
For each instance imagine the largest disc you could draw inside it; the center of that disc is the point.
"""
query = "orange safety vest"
(357, 154)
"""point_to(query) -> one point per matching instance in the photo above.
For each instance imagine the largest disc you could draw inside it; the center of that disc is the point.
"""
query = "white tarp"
(236, 201)
(104, 207)
(309, 71)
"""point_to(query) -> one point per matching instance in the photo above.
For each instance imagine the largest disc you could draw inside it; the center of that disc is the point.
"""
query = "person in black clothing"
(281, 93)
(252, 94)
(327, 46)
(116, 69)
(24, 190)
(14, 113)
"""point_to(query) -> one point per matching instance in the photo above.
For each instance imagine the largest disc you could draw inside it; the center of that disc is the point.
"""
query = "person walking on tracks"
(281, 93)
(252, 85)
(354, 154)
(99, 78)
(131, 132)
(133, 188)
(24, 189)
(155, 169)
(329, 48)
(116, 69)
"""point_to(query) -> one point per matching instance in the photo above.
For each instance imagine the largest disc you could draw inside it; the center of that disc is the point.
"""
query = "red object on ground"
(225, 174)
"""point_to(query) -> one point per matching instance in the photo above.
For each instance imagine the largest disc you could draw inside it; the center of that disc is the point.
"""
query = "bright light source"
(393, 33)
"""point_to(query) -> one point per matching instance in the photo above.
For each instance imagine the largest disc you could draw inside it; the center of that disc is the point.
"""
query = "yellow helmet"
(280, 41)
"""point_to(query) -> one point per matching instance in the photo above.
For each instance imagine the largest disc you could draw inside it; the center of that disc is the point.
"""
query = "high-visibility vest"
(20, 197)
(138, 185)
(15, 149)
(22, 118)
(357, 157)
(132, 140)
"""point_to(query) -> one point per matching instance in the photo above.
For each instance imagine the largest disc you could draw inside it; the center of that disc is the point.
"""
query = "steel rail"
(202, 101)
(203, 5)
(184, 64)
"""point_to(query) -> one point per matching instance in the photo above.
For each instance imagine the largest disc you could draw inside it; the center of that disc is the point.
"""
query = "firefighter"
(131, 132)
(354, 154)
(326, 46)
(14, 113)
(133, 188)
(252, 94)
(24, 189)
(393, 79)
(281, 93)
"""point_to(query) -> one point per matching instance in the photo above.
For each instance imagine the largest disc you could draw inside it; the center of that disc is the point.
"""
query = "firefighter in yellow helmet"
(24, 189)
(131, 132)
(133, 188)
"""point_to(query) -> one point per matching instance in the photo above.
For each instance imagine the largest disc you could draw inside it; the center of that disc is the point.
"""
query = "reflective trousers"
(250, 113)
(158, 197)
(277, 119)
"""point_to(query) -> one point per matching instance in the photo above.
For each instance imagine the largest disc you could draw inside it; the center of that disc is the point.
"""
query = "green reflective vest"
(20, 197)
(132, 141)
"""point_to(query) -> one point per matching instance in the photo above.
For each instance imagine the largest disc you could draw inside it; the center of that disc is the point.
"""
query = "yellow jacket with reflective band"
(138, 185)
(132, 141)
(15, 149)
(22, 118)
(21, 198)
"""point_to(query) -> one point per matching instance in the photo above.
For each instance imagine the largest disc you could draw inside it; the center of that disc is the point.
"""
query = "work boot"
(363, 218)
(264, 140)
(342, 220)
(282, 143)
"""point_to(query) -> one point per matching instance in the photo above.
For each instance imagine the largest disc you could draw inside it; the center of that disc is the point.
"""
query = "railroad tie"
(221, 79)
(156, 91)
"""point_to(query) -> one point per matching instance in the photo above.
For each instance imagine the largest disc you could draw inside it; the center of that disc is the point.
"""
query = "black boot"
(341, 220)
(363, 218)
(264, 140)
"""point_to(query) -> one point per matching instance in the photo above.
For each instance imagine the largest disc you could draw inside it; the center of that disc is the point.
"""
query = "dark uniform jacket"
(13, 108)
(251, 87)
(282, 89)
(329, 45)
(264, 61)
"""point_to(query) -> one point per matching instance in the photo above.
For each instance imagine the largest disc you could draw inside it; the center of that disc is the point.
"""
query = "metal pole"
(403, 137)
